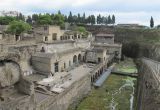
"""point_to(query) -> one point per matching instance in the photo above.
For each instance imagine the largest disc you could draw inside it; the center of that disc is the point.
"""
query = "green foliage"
(113, 19)
(44, 19)
(81, 29)
(101, 98)
(6, 20)
(151, 22)
(18, 27)
(20, 17)
(49, 19)
(29, 20)
(70, 17)
(35, 18)
(58, 19)
(91, 19)
(105, 20)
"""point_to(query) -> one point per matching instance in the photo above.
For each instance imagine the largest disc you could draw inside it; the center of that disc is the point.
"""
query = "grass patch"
(126, 66)
(100, 99)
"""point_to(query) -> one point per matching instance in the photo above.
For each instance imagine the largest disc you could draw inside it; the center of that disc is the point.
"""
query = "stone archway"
(79, 58)
(74, 59)
(61, 37)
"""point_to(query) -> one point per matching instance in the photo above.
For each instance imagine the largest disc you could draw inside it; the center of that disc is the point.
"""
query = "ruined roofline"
(104, 35)
(52, 55)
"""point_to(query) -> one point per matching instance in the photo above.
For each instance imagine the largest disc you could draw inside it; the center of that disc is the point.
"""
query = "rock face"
(149, 85)
(9, 74)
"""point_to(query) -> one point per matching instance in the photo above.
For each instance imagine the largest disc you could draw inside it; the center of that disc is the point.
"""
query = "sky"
(126, 11)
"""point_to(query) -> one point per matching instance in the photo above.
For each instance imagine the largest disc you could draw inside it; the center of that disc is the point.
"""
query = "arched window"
(74, 59)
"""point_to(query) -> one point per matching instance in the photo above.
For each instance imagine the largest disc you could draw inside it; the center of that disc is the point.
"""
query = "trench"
(117, 92)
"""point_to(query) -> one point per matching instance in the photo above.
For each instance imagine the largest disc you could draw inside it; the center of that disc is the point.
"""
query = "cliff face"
(148, 85)
(139, 42)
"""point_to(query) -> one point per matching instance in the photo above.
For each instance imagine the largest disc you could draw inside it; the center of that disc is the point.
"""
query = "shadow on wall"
(137, 50)
(131, 49)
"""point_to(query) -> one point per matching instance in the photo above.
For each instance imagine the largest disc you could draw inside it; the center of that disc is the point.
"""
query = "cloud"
(125, 10)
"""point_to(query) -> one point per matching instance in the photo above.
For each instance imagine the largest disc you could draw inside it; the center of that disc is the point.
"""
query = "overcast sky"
(126, 11)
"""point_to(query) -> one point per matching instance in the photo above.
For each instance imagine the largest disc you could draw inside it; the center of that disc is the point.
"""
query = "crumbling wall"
(9, 73)
(70, 96)
(148, 85)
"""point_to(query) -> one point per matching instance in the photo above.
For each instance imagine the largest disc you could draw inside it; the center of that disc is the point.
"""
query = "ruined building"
(50, 68)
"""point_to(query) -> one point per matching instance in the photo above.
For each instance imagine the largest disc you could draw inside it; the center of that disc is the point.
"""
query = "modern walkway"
(104, 76)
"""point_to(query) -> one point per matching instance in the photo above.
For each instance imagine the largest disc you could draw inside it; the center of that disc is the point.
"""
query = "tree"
(29, 20)
(106, 20)
(18, 27)
(70, 17)
(151, 22)
(58, 19)
(44, 19)
(6, 20)
(113, 19)
(84, 18)
(79, 18)
(81, 29)
(59, 12)
(75, 19)
(103, 20)
(35, 18)
(88, 20)
(99, 19)
(109, 19)
(65, 18)
(93, 19)
(20, 16)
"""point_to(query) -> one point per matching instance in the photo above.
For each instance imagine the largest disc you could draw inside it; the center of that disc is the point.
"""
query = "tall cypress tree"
(84, 18)
(59, 12)
(109, 19)
(93, 19)
(70, 17)
(113, 19)
(29, 20)
(79, 18)
(151, 22)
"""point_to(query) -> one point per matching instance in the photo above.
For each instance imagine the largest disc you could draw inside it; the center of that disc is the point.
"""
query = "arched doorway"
(65, 37)
(74, 59)
(79, 58)
(61, 38)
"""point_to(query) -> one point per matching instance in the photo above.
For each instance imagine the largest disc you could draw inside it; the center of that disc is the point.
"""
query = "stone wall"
(70, 96)
(148, 85)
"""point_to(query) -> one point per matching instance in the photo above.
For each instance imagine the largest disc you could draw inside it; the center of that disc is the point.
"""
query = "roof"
(105, 35)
